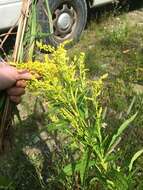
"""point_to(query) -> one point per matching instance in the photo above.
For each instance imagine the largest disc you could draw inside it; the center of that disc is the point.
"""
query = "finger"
(24, 75)
(15, 91)
(21, 71)
(21, 83)
(15, 99)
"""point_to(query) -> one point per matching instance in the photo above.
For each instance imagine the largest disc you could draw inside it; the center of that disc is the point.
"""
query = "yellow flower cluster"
(55, 71)
(63, 82)
(46, 73)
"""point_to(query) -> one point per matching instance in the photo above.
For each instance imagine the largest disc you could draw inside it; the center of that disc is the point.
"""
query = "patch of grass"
(115, 47)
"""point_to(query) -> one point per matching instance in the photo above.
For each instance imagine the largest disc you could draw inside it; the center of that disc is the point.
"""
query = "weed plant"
(93, 158)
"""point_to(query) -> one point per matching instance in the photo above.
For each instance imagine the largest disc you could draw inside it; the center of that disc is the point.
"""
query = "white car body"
(10, 11)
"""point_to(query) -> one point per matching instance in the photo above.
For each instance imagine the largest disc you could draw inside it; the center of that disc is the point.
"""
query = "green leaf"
(84, 164)
(134, 158)
(121, 129)
(62, 125)
(68, 169)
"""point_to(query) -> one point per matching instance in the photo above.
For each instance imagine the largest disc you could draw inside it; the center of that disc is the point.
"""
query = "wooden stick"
(21, 29)
(6, 35)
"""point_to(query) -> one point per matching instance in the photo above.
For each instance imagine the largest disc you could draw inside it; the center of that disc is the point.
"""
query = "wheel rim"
(64, 21)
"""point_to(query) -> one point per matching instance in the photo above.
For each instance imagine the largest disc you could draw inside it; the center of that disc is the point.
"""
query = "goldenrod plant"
(75, 111)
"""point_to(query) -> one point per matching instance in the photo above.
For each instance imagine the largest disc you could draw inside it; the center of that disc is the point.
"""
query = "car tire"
(69, 19)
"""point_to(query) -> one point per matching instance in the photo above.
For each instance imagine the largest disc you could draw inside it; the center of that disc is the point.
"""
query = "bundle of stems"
(6, 107)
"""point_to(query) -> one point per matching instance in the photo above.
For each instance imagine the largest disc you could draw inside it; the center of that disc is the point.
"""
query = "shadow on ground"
(30, 164)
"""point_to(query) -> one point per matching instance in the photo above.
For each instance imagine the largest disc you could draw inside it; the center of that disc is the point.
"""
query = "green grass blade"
(33, 31)
(134, 158)
(49, 17)
(121, 130)
(68, 169)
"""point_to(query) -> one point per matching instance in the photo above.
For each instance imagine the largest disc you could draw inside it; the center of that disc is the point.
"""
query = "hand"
(14, 81)
(10, 75)
(17, 91)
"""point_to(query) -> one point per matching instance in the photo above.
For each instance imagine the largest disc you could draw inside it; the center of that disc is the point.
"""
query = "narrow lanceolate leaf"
(68, 169)
(84, 165)
(49, 17)
(121, 130)
(134, 158)
(33, 31)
